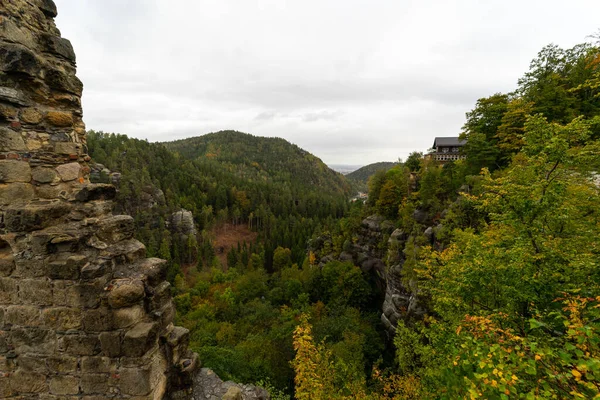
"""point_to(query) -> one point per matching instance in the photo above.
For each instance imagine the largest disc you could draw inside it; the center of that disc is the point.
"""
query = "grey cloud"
(349, 80)
(322, 115)
(265, 116)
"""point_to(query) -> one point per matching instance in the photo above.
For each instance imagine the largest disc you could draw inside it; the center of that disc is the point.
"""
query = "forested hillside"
(255, 158)
(271, 197)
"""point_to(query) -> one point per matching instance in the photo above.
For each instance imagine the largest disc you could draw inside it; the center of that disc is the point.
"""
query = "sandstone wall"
(83, 313)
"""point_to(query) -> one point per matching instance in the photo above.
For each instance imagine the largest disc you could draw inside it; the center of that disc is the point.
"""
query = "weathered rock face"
(83, 313)
(182, 223)
(386, 267)
(401, 302)
(379, 252)
(208, 386)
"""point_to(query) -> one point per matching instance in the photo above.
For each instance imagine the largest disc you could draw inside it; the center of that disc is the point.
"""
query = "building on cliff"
(446, 149)
(83, 312)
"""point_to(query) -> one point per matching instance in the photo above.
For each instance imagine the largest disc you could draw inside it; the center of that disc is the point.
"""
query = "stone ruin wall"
(83, 313)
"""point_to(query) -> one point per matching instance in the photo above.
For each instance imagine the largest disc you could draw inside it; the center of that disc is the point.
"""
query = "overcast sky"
(351, 81)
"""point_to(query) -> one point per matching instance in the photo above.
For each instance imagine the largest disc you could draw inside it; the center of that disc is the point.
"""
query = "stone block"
(65, 293)
(22, 315)
(233, 393)
(64, 385)
(96, 191)
(127, 317)
(97, 320)
(178, 337)
(111, 343)
(94, 383)
(150, 270)
(16, 33)
(96, 269)
(98, 365)
(62, 364)
(14, 171)
(95, 208)
(31, 115)
(139, 339)
(60, 46)
(11, 140)
(28, 267)
(135, 381)
(32, 340)
(12, 192)
(53, 191)
(35, 215)
(40, 244)
(165, 315)
(35, 291)
(97, 243)
(91, 293)
(44, 175)
(64, 82)
(66, 148)
(69, 172)
(115, 228)
(13, 96)
(127, 251)
(61, 318)
(79, 345)
(125, 293)
(161, 296)
(48, 8)
(61, 137)
(17, 58)
(31, 364)
(7, 112)
(60, 118)
(7, 262)
(63, 270)
(67, 269)
(8, 291)
(28, 382)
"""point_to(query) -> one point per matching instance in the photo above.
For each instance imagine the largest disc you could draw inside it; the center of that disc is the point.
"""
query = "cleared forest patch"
(228, 235)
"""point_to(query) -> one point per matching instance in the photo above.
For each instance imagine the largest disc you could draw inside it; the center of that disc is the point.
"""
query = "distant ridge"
(344, 169)
(363, 174)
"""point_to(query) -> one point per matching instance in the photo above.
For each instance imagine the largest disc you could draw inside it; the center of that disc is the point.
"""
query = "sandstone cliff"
(83, 313)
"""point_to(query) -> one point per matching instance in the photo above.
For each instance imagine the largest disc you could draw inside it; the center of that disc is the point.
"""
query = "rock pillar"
(83, 313)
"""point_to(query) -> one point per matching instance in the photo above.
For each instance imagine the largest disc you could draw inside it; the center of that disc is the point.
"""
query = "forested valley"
(497, 254)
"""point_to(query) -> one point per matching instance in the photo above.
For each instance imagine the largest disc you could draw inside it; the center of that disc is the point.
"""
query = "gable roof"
(448, 141)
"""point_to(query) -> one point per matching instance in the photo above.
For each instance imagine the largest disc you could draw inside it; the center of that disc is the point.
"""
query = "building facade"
(447, 149)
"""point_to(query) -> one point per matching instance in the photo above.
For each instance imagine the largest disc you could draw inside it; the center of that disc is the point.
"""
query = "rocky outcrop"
(208, 386)
(182, 223)
(148, 198)
(379, 252)
(83, 313)
(384, 260)
(401, 301)
(100, 174)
